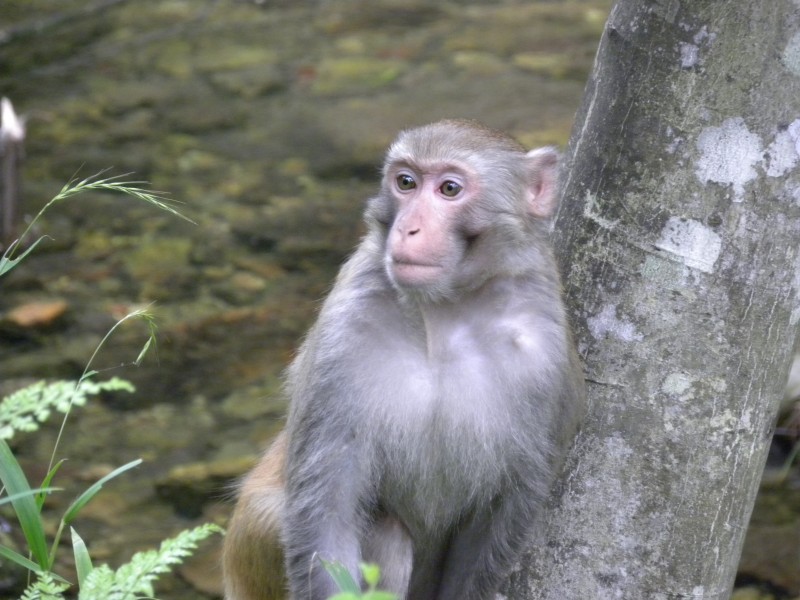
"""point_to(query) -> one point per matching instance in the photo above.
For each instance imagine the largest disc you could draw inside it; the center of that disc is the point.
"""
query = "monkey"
(253, 557)
(435, 398)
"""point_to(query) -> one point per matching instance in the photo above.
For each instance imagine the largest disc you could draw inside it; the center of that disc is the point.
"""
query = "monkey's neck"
(447, 324)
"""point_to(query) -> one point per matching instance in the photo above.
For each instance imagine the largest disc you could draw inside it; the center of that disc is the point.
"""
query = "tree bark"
(679, 241)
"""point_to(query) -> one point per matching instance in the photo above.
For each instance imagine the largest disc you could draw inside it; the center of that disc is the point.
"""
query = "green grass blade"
(90, 493)
(341, 576)
(7, 263)
(9, 554)
(14, 557)
(83, 562)
(42, 491)
(142, 354)
(24, 506)
(117, 184)
(41, 496)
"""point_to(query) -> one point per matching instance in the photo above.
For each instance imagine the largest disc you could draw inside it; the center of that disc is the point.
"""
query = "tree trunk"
(679, 240)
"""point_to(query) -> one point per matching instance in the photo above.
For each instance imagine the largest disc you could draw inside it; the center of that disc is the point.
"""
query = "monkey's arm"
(326, 491)
(488, 545)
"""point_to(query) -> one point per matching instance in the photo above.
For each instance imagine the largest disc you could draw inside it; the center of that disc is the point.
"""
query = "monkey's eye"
(451, 189)
(405, 182)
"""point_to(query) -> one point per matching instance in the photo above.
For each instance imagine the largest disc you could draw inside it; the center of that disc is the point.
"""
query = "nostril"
(413, 231)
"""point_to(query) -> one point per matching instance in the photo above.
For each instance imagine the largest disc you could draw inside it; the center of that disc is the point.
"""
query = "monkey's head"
(459, 204)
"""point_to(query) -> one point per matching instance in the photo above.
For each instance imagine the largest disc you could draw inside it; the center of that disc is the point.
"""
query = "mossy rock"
(344, 75)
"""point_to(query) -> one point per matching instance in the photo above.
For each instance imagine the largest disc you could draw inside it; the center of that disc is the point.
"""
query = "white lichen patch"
(795, 318)
(689, 55)
(783, 153)
(591, 211)
(791, 55)
(666, 273)
(676, 142)
(677, 385)
(704, 36)
(696, 245)
(728, 155)
(726, 421)
(607, 323)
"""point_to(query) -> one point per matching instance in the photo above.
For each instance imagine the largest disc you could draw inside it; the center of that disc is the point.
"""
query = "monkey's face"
(455, 200)
(428, 237)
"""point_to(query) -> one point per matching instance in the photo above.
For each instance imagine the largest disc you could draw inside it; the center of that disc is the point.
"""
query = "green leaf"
(48, 586)
(145, 348)
(135, 579)
(7, 263)
(32, 492)
(9, 554)
(371, 573)
(22, 561)
(378, 595)
(48, 478)
(90, 493)
(24, 506)
(83, 562)
(25, 408)
(342, 577)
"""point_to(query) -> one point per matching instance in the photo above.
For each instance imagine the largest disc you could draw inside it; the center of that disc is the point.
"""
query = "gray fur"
(427, 423)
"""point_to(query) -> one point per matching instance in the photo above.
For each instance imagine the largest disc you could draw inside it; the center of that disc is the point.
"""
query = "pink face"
(425, 243)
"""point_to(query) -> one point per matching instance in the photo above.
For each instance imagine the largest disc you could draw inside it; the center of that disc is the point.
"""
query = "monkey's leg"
(486, 546)
(388, 543)
(252, 555)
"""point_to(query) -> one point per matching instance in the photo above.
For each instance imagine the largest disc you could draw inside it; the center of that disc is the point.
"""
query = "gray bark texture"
(679, 240)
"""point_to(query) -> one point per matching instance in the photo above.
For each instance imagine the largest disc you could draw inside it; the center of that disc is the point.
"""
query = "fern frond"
(25, 409)
(136, 578)
(45, 588)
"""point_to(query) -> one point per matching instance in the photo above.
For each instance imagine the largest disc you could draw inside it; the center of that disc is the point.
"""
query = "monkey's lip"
(399, 262)
(412, 272)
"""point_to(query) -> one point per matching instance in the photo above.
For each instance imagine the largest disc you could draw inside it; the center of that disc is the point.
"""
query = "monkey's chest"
(448, 431)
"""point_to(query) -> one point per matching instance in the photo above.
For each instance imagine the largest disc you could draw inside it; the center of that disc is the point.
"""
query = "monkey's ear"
(543, 180)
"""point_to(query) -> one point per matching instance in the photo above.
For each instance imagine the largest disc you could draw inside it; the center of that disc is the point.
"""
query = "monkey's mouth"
(413, 273)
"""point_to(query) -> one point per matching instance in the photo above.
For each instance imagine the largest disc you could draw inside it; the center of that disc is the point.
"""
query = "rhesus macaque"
(435, 398)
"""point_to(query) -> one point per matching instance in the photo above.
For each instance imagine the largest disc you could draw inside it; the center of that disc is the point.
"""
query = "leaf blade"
(82, 500)
(24, 505)
(83, 562)
(342, 577)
